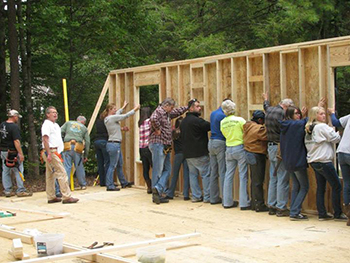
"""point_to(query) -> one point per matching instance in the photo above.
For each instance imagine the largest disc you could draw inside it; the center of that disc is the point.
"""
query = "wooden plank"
(258, 78)
(46, 213)
(100, 258)
(253, 107)
(301, 63)
(248, 74)
(198, 85)
(274, 80)
(283, 76)
(219, 75)
(162, 85)
(112, 248)
(99, 103)
(11, 234)
(147, 78)
(196, 65)
(266, 73)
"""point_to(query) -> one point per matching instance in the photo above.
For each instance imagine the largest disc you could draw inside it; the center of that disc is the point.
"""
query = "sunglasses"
(191, 102)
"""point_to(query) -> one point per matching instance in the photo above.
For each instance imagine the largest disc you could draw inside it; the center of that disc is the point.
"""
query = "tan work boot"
(24, 194)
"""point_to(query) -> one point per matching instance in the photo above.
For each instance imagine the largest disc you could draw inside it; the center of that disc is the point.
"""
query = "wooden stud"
(11, 234)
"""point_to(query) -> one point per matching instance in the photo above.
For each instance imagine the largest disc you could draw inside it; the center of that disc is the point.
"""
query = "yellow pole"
(66, 112)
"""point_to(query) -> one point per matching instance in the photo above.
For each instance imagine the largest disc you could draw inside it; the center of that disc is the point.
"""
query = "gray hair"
(81, 119)
(287, 102)
(168, 102)
(229, 107)
(47, 110)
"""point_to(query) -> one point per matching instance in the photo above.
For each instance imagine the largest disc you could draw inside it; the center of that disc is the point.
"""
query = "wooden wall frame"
(303, 72)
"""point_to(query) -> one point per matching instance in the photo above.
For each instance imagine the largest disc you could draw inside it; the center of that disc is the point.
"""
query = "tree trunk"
(13, 48)
(33, 155)
(2, 62)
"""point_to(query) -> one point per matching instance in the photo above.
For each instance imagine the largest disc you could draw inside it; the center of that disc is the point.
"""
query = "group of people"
(283, 134)
(291, 140)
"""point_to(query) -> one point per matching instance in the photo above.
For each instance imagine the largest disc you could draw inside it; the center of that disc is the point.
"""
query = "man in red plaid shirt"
(159, 143)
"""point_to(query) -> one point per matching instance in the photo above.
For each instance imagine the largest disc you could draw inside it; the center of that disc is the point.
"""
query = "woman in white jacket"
(319, 142)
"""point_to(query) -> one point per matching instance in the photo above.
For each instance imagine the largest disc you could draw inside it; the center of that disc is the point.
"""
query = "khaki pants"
(55, 170)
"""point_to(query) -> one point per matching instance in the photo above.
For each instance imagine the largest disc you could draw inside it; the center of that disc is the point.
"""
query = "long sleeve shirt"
(344, 145)
(161, 120)
(272, 121)
(74, 130)
(112, 123)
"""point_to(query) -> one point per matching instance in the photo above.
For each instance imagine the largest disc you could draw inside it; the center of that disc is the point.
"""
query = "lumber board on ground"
(11, 234)
(46, 213)
(105, 249)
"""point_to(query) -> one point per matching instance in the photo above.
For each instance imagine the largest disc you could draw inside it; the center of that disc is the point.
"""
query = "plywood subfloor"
(227, 235)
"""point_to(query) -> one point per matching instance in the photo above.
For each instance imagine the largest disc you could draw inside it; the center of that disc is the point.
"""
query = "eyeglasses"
(190, 103)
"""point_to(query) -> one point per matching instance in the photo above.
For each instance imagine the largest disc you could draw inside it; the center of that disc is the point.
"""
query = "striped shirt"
(161, 120)
(145, 131)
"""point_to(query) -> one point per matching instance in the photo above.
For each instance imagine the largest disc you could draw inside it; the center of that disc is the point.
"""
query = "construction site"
(124, 222)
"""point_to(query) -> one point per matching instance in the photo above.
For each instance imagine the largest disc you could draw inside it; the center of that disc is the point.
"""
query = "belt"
(272, 143)
(115, 141)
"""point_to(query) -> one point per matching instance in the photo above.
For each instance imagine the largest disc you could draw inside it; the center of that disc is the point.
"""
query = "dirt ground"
(228, 235)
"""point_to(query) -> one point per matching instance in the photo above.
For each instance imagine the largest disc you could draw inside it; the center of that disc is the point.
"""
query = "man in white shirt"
(53, 146)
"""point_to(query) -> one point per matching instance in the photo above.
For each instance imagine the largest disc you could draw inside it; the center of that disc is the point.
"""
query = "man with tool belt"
(75, 133)
(12, 155)
(53, 146)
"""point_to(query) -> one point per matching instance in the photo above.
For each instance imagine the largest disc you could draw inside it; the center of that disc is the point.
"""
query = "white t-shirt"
(53, 130)
(344, 145)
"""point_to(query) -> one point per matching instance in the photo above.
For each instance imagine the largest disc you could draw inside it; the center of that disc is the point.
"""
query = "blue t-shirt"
(215, 119)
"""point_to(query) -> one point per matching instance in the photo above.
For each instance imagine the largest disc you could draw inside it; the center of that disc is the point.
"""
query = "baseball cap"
(258, 114)
(12, 113)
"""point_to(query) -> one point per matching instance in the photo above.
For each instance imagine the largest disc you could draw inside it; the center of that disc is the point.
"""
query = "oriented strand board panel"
(121, 89)
(240, 86)
(311, 76)
(274, 78)
(147, 78)
(162, 85)
(185, 85)
(211, 86)
(256, 66)
(340, 56)
(225, 80)
(173, 83)
(292, 77)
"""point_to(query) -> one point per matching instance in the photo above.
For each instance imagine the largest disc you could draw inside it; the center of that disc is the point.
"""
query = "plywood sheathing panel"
(185, 85)
(274, 81)
(211, 87)
(172, 83)
(113, 89)
(240, 86)
(311, 71)
(225, 80)
(340, 56)
(162, 85)
(147, 78)
(290, 76)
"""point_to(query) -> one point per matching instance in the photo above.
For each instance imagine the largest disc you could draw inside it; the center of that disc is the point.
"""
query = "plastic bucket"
(49, 244)
(151, 254)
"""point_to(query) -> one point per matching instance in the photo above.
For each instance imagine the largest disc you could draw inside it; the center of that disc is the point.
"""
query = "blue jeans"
(279, 185)
(236, 155)
(217, 150)
(326, 172)
(6, 175)
(68, 158)
(102, 160)
(199, 166)
(115, 162)
(161, 167)
(178, 160)
(344, 161)
(299, 191)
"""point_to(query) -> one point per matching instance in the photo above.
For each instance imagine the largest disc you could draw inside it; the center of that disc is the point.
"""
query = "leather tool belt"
(79, 147)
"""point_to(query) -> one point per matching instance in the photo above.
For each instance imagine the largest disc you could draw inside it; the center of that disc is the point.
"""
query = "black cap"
(258, 114)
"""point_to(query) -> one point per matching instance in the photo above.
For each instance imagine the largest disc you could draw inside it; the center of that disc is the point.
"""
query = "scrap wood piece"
(105, 249)
(7, 227)
(11, 234)
(47, 213)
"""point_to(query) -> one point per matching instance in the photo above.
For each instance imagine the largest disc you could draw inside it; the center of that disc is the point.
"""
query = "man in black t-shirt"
(10, 146)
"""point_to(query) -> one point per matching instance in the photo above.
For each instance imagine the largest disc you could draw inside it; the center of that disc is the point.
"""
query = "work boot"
(55, 200)
(70, 200)
(149, 186)
(347, 212)
(155, 196)
(24, 194)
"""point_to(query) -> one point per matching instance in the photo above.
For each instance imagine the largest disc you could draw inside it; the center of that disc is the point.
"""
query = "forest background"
(43, 41)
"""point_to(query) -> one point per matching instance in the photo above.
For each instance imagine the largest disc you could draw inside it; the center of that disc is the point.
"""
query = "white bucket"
(49, 244)
(151, 254)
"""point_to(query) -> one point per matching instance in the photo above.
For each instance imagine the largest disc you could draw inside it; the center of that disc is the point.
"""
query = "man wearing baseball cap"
(11, 155)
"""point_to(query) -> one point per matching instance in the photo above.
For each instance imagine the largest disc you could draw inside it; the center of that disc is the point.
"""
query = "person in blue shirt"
(293, 153)
(217, 149)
